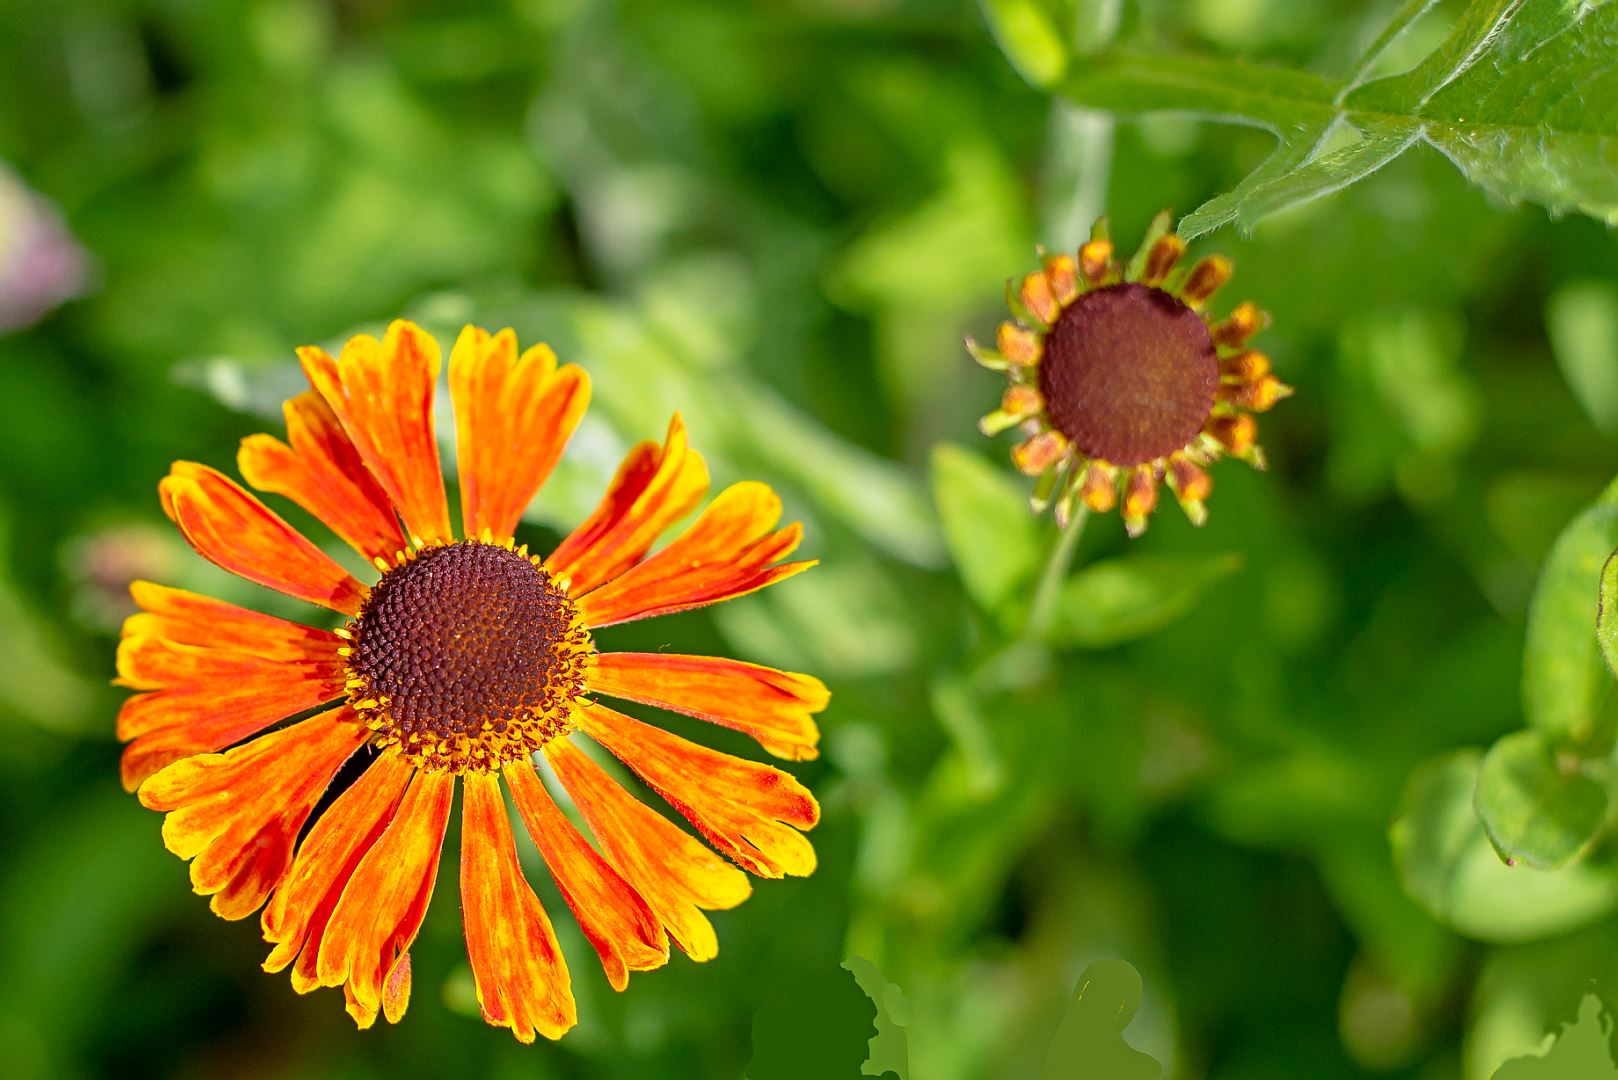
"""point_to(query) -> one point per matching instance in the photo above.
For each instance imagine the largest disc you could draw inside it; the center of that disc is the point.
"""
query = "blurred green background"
(781, 218)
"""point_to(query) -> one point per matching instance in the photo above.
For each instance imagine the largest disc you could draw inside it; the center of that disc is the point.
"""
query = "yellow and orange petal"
(319, 469)
(296, 917)
(199, 698)
(1120, 382)
(753, 813)
(513, 416)
(237, 532)
(677, 876)
(236, 815)
(517, 967)
(655, 487)
(440, 667)
(614, 918)
(732, 549)
(381, 909)
(774, 707)
(383, 393)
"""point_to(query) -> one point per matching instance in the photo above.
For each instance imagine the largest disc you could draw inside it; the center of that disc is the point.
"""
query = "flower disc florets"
(466, 656)
(1120, 382)
(1129, 374)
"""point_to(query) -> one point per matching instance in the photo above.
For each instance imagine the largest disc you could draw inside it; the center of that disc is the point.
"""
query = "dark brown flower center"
(1129, 374)
(467, 656)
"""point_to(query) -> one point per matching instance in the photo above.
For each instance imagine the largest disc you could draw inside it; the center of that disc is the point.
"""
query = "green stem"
(1043, 609)
(1079, 164)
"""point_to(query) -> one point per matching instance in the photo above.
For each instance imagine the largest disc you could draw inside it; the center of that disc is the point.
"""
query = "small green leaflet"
(1522, 96)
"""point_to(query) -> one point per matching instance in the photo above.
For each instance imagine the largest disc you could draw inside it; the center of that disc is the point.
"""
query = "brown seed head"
(1129, 374)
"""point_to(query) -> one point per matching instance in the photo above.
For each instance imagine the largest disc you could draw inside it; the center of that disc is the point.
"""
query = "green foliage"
(1582, 322)
(1537, 806)
(1119, 600)
(1031, 34)
(782, 220)
(1521, 96)
(1447, 863)
(1607, 613)
(994, 540)
(1567, 690)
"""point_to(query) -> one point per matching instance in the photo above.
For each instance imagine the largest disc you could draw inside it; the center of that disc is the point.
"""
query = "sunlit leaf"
(1607, 613)
(1538, 806)
(1522, 96)
(1030, 34)
(1567, 691)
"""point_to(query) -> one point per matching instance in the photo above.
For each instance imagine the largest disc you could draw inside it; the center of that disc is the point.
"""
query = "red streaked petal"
(236, 815)
(296, 918)
(150, 663)
(625, 933)
(655, 487)
(727, 552)
(749, 811)
(383, 904)
(673, 872)
(513, 416)
(322, 472)
(521, 978)
(774, 707)
(196, 718)
(189, 618)
(233, 530)
(382, 391)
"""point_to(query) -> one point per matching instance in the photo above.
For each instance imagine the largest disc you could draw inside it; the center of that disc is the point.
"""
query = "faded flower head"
(1121, 382)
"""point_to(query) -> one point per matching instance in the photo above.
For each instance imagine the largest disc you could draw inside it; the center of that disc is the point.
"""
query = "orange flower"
(464, 659)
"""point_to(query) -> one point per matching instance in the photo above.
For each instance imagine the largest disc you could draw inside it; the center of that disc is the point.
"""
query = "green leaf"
(1567, 690)
(1446, 863)
(1607, 613)
(1522, 96)
(1582, 321)
(1030, 35)
(990, 533)
(1537, 807)
(1119, 600)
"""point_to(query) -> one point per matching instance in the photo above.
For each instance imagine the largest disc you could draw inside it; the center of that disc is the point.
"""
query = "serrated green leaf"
(1522, 96)
(1537, 808)
(1119, 600)
(1446, 863)
(991, 536)
(1567, 690)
